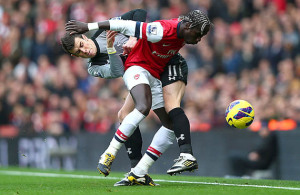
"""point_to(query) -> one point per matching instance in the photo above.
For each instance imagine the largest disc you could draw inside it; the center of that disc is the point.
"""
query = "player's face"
(84, 47)
(194, 35)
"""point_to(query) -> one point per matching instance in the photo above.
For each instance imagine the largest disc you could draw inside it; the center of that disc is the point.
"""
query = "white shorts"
(136, 75)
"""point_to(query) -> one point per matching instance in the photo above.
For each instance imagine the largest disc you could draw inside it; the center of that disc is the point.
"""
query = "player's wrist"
(93, 26)
(111, 50)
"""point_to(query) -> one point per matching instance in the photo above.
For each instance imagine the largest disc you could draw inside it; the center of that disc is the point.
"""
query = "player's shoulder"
(169, 25)
(173, 21)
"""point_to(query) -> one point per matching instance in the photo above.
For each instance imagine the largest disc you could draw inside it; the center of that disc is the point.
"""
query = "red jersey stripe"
(153, 150)
(121, 135)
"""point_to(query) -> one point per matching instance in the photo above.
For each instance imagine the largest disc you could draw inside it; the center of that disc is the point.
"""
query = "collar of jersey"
(178, 27)
(97, 46)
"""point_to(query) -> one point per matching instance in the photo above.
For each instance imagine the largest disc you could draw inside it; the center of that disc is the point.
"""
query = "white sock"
(162, 140)
(129, 124)
(143, 166)
(114, 147)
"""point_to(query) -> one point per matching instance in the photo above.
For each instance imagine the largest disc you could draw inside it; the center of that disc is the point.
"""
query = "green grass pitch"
(15, 181)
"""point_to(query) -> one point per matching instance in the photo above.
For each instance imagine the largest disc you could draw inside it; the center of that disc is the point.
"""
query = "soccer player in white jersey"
(159, 41)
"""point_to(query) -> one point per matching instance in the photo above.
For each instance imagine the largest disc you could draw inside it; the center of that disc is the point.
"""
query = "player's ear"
(187, 25)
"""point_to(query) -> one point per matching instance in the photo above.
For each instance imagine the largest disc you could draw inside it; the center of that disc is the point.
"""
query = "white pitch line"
(39, 174)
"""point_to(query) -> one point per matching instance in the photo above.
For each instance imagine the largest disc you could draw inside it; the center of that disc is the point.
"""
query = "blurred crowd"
(251, 53)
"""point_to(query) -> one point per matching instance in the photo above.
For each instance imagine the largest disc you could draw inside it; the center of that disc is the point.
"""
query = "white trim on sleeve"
(126, 27)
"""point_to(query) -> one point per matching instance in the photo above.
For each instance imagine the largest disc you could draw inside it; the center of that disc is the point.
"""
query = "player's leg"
(136, 80)
(173, 94)
(134, 143)
(162, 140)
(174, 80)
(181, 126)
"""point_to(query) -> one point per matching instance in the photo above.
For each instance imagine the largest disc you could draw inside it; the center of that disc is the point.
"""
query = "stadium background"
(252, 53)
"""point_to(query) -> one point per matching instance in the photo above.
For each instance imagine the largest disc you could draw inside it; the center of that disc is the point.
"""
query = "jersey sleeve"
(135, 15)
(153, 32)
(113, 69)
(116, 65)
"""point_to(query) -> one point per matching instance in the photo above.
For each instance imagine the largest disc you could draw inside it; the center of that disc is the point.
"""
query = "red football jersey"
(158, 44)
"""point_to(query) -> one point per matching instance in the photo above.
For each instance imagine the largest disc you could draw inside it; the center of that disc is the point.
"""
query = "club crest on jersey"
(136, 77)
(152, 29)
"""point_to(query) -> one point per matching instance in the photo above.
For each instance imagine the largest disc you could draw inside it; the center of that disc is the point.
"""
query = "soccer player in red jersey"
(158, 42)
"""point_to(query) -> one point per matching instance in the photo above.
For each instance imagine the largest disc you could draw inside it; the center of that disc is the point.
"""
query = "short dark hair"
(68, 41)
(197, 18)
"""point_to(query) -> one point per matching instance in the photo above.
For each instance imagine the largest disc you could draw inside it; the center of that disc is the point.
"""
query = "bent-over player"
(191, 34)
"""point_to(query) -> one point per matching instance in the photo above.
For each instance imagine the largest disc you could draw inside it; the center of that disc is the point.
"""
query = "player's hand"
(129, 45)
(74, 27)
(110, 38)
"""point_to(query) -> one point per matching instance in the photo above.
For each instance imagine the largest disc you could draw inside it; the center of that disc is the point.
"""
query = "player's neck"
(181, 29)
(96, 46)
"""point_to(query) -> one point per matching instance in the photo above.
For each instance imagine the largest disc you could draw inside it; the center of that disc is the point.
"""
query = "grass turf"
(32, 181)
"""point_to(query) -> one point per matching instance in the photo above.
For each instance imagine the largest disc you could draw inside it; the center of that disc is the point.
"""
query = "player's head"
(196, 25)
(78, 45)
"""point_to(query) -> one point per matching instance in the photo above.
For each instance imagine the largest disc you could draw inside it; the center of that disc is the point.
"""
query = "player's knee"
(144, 109)
(121, 115)
(169, 107)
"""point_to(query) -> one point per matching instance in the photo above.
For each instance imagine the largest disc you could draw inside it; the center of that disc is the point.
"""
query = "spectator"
(252, 53)
(259, 158)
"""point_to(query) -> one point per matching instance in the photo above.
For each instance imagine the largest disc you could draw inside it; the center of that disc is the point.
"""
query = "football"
(239, 114)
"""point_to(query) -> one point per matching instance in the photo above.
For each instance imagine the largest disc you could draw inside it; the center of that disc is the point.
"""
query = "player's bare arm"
(126, 27)
(110, 38)
(129, 45)
(74, 26)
